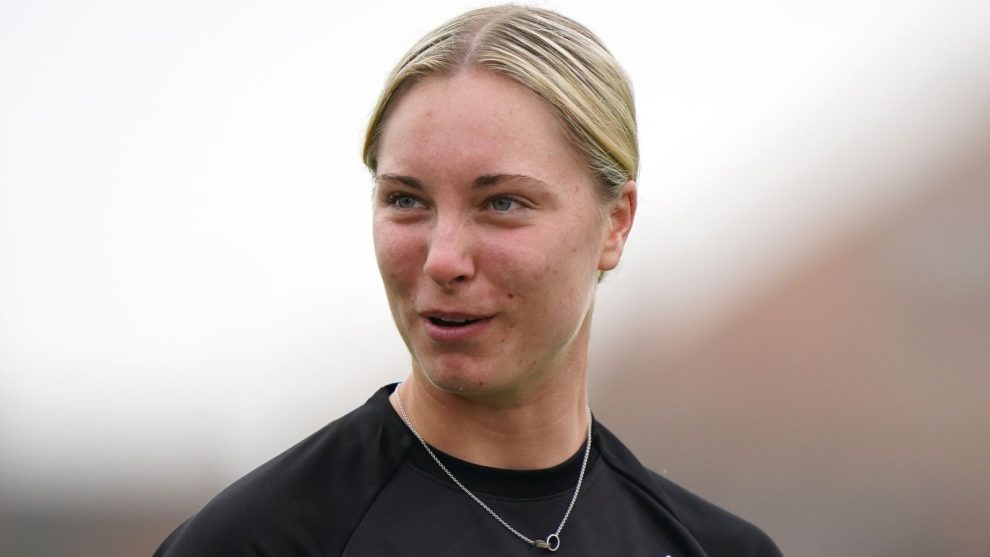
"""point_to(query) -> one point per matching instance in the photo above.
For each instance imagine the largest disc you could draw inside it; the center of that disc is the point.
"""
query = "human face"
(489, 236)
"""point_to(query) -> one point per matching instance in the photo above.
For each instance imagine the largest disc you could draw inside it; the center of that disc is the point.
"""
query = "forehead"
(476, 123)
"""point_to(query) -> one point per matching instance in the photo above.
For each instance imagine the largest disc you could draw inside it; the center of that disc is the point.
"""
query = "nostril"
(448, 264)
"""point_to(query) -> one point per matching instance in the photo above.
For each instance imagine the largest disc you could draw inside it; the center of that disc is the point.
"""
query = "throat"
(534, 435)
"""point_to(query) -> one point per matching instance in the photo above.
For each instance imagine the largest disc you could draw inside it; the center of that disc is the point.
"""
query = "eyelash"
(393, 200)
(491, 202)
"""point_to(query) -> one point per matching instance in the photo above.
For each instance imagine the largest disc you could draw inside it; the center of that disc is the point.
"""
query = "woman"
(504, 157)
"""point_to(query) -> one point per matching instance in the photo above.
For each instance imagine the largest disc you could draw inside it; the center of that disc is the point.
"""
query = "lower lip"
(454, 334)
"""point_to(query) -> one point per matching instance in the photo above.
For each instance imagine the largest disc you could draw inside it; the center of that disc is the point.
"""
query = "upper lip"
(446, 314)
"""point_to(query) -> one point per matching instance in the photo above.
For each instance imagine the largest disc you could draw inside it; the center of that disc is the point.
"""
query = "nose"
(449, 259)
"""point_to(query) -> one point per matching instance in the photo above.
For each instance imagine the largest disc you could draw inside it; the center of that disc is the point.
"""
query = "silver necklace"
(552, 543)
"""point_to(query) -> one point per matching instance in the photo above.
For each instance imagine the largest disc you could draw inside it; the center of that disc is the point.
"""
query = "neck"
(528, 433)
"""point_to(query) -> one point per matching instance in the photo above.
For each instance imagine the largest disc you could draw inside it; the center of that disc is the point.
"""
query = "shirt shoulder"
(716, 531)
(306, 501)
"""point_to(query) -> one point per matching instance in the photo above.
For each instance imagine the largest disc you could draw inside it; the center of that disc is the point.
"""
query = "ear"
(619, 223)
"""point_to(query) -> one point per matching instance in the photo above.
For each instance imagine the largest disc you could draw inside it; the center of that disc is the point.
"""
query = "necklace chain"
(552, 543)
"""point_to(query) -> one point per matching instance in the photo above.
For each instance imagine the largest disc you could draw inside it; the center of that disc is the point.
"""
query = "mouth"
(451, 327)
(452, 322)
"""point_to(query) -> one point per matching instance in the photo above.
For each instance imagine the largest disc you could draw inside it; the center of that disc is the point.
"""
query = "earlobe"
(620, 221)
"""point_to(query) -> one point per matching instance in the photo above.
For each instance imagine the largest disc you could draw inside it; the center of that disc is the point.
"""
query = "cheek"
(571, 271)
(542, 270)
(399, 256)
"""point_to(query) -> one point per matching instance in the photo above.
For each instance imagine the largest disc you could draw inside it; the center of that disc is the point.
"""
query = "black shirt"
(364, 486)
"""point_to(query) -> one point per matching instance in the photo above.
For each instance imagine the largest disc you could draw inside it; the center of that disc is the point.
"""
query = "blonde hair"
(552, 56)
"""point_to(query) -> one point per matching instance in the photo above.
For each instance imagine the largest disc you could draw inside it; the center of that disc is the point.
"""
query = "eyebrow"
(483, 181)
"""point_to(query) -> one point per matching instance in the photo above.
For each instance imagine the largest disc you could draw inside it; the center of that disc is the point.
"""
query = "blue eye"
(403, 201)
(503, 204)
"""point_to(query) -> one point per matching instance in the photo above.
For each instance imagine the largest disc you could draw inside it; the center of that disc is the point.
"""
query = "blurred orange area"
(846, 406)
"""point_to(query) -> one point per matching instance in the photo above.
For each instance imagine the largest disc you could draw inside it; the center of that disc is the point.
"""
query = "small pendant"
(551, 544)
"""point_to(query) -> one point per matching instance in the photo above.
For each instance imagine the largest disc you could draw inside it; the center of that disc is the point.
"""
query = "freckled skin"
(531, 270)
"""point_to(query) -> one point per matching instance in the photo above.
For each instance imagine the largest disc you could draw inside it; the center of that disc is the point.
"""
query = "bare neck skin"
(533, 432)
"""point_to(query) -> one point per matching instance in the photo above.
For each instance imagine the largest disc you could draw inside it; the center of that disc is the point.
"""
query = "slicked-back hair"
(552, 56)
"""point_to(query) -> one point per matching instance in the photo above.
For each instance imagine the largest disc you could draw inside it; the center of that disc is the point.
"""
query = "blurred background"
(800, 329)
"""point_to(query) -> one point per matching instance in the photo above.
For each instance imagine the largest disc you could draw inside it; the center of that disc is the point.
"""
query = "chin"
(456, 380)
(481, 383)
(457, 376)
